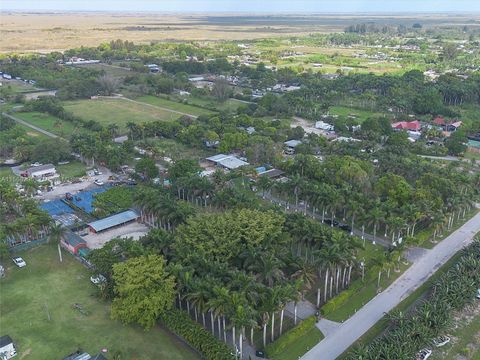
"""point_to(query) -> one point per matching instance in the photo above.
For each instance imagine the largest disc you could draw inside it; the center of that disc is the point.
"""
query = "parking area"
(134, 230)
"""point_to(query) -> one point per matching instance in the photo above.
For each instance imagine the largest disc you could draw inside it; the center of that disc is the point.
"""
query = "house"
(120, 139)
(42, 172)
(153, 68)
(407, 125)
(324, 126)
(272, 173)
(290, 146)
(113, 221)
(229, 162)
(72, 242)
(7, 348)
(453, 126)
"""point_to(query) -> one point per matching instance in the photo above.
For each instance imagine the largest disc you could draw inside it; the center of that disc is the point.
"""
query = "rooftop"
(228, 161)
(114, 220)
(45, 167)
(73, 239)
(292, 143)
(5, 340)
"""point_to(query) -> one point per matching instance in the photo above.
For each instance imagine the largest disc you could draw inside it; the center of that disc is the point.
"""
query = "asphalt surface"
(345, 335)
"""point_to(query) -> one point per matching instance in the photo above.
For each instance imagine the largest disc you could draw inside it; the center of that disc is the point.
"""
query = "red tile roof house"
(407, 125)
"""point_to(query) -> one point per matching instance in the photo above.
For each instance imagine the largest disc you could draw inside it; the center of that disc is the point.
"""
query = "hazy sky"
(246, 5)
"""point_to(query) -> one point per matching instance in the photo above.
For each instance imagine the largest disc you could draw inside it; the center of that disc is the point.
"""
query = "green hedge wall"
(277, 347)
(196, 336)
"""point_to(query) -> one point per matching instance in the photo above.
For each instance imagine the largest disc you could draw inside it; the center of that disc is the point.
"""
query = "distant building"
(42, 172)
(324, 126)
(72, 242)
(229, 162)
(407, 125)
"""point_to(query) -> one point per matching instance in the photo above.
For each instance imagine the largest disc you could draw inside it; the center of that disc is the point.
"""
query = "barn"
(113, 221)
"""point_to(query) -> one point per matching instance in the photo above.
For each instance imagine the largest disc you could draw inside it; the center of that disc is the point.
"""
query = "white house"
(7, 348)
(229, 162)
(42, 172)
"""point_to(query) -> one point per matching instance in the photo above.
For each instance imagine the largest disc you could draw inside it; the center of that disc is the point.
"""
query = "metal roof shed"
(114, 220)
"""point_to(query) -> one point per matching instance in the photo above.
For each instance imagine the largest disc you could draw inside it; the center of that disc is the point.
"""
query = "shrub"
(290, 337)
(196, 336)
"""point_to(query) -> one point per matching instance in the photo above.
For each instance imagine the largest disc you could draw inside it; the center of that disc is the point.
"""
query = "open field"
(359, 115)
(17, 86)
(50, 123)
(24, 32)
(71, 170)
(300, 347)
(227, 105)
(36, 310)
(117, 111)
(173, 105)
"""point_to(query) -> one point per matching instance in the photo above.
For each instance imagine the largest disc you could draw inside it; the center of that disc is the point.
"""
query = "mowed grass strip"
(50, 123)
(117, 111)
(36, 307)
(173, 105)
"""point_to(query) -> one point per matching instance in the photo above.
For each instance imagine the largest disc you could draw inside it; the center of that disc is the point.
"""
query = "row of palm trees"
(412, 331)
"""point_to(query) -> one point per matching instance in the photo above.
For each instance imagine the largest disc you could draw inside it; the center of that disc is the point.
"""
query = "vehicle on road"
(345, 227)
(441, 341)
(98, 182)
(98, 279)
(423, 354)
(478, 294)
(329, 222)
(19, 262)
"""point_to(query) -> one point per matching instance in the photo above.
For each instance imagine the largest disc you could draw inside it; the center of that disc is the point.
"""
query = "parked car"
(423, 354)
(329, 222)
(19, 262)
(98, 182)
(97, 172)
(441, 341)
(478, 294)
(345, 227)
(98, 279)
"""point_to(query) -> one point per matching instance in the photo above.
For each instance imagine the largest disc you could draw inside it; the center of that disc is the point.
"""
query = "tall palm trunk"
(281, 321)
(273, 326)
(264, 334)
(326, 286)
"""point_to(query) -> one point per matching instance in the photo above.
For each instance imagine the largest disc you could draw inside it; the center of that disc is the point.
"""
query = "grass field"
(50, 123)
(227, 105)
(117, 111)
(300, 347)
(36, 311)
(173, 105)
(71, 170)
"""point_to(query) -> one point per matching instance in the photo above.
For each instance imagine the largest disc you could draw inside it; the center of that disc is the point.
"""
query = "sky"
(267, 6)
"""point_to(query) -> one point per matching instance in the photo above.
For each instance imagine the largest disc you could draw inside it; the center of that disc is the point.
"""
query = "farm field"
(50, 123)
(227, 105)
(117, 111)
(111, 70)
(173, 105)
(36, 309)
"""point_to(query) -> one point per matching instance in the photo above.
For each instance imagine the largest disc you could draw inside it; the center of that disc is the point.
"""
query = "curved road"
(347, 333)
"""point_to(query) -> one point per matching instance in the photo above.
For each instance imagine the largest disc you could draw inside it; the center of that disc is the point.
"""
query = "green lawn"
(177, 150)
(300, 347)
(36, 311)
(74, 169)
(8, 175)
(50, 123)
(361, 115)
(211, 103)
(117, 111)
(173, 105)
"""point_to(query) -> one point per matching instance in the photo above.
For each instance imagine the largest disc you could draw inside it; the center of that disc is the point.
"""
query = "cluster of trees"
(234, 270)
(17, 144)
(22, 221)
(403, 94)
(410, 332)
(397, 192)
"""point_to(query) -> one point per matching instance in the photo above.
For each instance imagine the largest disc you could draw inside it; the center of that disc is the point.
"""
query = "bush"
(196, 336)
(334, 303)
(290, 337)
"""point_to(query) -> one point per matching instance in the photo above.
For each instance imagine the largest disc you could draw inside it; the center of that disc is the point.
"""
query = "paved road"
(36, 128)
(350, 331)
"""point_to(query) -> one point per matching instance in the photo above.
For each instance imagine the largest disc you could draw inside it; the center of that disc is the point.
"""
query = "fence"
(28, 245)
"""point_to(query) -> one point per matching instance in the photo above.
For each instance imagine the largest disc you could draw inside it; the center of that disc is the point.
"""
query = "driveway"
(347, 333)
(60, 190)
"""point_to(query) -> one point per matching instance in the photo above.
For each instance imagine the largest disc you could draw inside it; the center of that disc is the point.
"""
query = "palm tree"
(112, 129)
(375, 216)
(56, 233)
(264, 183)
(219, 305)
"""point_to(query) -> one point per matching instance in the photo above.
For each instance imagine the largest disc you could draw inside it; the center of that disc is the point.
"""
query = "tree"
(456, 143)
(147, 168)
(143, 290)
(221, 90)
(108, 84)
(56, 233)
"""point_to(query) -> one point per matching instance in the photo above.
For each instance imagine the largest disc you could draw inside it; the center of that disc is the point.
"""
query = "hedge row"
(178, 322)
(291, 336)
